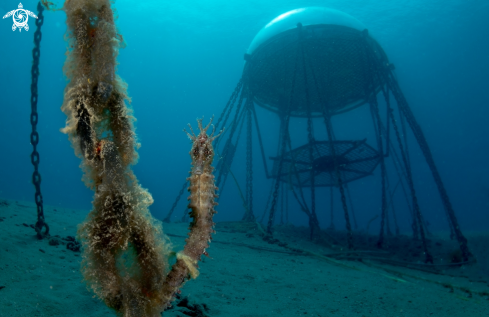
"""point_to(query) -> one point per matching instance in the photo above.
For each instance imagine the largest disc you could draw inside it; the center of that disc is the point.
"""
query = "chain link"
(417, 217)
(351, 206)
(249, 163)
(35, 158)
(260, 141)
(381, 68)
(282, 203)
(234, 125)
(284, 135)
(329, 128)
(331, 206)
(229, 106)
(267, 204)
(417, 212)
(377, 71)
(227, 161)
(374, 108)
(313, 220)
(168, 217)
(286, 205)
(418, 134)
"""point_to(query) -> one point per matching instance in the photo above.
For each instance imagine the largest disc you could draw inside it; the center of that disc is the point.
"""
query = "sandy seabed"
(244, 276)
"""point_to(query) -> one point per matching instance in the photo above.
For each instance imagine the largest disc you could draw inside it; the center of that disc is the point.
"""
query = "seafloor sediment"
(243, 277)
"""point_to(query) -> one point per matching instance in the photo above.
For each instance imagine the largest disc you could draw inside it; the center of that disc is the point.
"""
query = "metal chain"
(260, 141)
(382, 71)
(35, 159)
(351, 206)
(282, 203)
(302, 201)
(399, 169)
(329, 128)
(403, 106)
(391, 203)
(331, 194)
(378, 72)
(234, 125)
(286, 205)
(403, 126)
(283, 138)
(387, 129)
(224, 164)
(404, 134)
(331, 137)
(268, 203)
(417, 212)
(284, 135)
(313, 220)
(185, 215)
(168, 217)
(374, 108)
(249, 164)
(230, 104)
(370, 77)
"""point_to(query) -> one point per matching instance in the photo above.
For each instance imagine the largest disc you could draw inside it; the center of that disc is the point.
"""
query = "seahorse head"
(202, 152)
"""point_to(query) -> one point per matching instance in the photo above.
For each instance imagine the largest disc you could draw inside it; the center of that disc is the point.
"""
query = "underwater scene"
(244, 158)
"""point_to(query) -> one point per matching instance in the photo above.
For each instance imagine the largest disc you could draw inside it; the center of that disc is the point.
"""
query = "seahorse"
(201, 202)
(202, 189)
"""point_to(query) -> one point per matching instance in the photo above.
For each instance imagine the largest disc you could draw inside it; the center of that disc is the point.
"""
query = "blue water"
(183, 60)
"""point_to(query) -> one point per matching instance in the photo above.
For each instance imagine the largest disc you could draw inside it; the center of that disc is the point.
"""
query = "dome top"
(305, 16)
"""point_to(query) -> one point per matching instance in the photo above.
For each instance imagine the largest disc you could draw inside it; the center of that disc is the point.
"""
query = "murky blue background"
(183, 60)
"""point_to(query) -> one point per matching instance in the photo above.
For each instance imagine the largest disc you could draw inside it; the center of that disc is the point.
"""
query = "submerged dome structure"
(313, 56)
(316, 63)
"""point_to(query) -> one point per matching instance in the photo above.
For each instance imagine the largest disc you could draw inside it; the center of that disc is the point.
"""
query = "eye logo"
(20, 17)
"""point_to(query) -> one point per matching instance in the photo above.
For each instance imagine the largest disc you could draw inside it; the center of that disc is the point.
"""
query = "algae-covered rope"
(36, 176)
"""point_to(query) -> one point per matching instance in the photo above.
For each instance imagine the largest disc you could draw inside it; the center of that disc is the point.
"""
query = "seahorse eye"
(206, 152)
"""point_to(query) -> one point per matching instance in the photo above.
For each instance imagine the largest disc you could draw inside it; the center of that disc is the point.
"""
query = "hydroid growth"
(124, 252)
